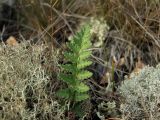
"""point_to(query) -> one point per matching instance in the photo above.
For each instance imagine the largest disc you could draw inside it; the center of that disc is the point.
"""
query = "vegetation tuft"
(74, 73)
(24, 84)
(125, 38)
(141, 95)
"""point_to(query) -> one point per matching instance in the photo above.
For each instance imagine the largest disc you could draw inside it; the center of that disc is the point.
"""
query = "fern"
(74, 72)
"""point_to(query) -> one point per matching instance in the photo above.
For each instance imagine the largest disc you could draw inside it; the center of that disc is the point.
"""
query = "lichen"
(142, 95)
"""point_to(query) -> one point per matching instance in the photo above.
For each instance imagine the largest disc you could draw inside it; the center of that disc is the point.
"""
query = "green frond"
(82, 44)
(84, 75)
(82, 38)
(81, 88)
(73, 47)
(64, 93)
(77, 55)
(70, 56)
(83, 64)
(86, 33)
(83, 55)
(79, 47)
(69, 68)
(76, 40)
(69, 79)
(86, 45)
(81, 97)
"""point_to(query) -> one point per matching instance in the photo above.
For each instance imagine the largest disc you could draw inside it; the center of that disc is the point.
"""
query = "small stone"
(12, 41)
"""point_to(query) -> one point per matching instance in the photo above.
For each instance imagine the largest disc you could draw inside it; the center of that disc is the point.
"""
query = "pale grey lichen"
(99, 29)
(141, 95)
(25, 92)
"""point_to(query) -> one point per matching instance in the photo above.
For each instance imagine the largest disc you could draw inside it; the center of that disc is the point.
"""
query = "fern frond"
(64, 93)
(83, 55)
(69, 68)
(73, 47)
(82, 38)
(84, 75)
(81, 88)
(83, 64)
(69, 79)
(76, 48)
(86, 34)
(70, 56)
(81, 96)
(74, 73)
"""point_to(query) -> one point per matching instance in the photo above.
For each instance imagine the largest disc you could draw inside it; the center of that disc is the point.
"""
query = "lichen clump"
(99, 30)
(24, 84)
(142, 95)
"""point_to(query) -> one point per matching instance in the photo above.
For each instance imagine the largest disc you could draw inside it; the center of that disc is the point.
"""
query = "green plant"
(73, 72)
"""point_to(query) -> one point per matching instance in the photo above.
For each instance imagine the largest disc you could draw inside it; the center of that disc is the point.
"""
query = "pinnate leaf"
(81, 97)
(64, 93)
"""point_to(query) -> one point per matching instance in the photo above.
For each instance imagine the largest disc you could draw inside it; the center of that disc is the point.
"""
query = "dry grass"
(132, 23)
(56, 19)
(135, 25)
